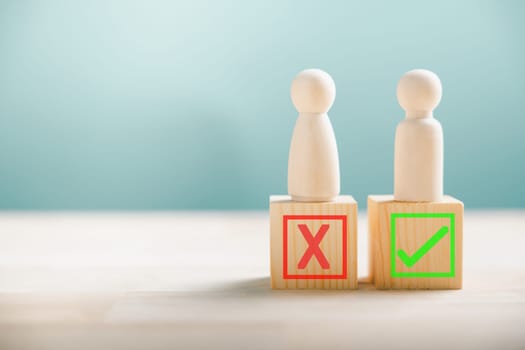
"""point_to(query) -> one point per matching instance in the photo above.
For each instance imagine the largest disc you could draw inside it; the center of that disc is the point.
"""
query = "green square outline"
(451, 217)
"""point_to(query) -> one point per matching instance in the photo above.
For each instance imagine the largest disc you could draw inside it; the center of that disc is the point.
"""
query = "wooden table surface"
(179, 280)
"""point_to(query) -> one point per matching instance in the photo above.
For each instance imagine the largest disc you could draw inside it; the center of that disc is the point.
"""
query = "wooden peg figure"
(418, 160)
(313, 163)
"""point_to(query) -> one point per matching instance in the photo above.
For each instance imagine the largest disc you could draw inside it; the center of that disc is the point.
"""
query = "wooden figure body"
(313, 231)
(418, 164)
(313, 163)
(416, 236)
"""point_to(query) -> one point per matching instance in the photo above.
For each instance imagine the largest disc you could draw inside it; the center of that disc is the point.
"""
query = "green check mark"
(411, 260)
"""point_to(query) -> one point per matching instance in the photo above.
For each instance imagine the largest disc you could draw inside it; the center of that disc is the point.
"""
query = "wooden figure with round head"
(313, 163)
(418, 160)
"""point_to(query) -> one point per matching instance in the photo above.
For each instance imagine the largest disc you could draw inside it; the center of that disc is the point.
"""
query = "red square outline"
(344, 220)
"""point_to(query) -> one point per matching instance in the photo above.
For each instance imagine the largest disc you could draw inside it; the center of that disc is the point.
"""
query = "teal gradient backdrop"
(185, 104)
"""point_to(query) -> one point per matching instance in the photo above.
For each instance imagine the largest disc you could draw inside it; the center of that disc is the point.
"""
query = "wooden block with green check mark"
(415, 245)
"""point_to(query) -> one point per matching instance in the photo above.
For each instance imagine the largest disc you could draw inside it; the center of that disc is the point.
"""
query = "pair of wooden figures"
(415, 235)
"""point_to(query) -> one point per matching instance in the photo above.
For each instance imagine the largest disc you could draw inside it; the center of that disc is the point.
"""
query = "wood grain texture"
(411, 234)
(286, 216)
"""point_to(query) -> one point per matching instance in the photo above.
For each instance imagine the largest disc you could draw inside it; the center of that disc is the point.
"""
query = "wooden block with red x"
(313, 244)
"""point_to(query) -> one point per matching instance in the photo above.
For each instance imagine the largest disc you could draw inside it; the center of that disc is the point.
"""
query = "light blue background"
(185, 105)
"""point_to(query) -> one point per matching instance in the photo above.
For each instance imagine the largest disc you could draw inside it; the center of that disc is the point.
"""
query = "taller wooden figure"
(416, 236)
(313, 230)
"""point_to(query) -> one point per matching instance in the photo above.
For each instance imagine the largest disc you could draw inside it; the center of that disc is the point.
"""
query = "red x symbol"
(313, 246)
(324, 222)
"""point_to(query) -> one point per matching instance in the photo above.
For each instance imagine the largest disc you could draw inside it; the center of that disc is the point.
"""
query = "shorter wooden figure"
(313, 230)
(416, 236)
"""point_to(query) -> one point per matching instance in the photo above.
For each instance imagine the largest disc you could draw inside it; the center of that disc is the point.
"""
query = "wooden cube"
(415, 245)
(313, 245)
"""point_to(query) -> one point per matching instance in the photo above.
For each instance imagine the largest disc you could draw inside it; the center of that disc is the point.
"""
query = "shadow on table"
(260, 287)
(248, 287)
